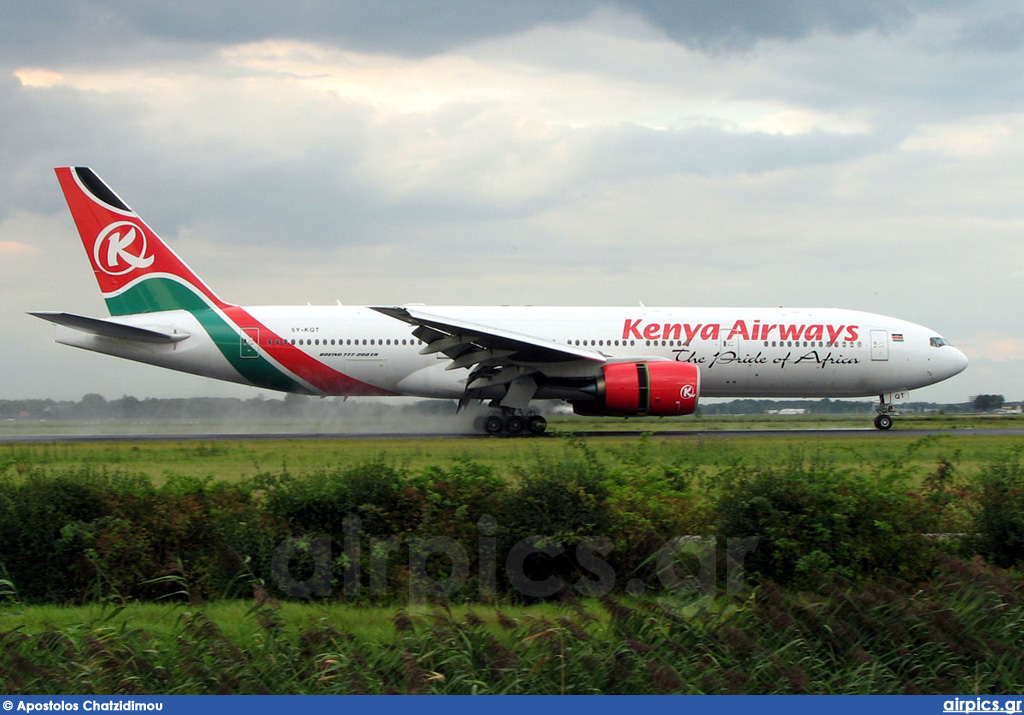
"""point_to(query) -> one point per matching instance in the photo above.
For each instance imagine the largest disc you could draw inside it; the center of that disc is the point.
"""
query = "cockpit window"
(938, 342)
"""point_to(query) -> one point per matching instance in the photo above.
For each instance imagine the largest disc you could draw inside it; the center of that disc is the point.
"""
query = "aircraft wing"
(108, 328)
(499, 356)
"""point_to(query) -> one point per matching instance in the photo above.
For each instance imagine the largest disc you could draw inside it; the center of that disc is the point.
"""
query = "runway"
(600, 434)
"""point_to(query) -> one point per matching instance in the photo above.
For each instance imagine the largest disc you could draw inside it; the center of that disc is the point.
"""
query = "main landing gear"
(513, 424)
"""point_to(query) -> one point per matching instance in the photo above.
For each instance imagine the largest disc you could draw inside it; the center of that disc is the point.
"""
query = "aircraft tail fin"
(136, 271)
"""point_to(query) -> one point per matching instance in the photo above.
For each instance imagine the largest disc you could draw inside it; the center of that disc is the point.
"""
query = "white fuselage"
(748, 352)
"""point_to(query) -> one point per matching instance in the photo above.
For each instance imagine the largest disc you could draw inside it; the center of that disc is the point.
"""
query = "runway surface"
(678, 434)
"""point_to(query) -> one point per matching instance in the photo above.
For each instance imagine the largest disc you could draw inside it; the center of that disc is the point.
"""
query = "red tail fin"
(135, 269)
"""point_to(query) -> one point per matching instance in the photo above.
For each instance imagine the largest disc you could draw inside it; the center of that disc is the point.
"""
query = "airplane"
(613, 361)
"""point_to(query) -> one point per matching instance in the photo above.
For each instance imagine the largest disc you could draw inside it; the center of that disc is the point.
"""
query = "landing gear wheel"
(493, 425)
(514, 424)
(883, 422)
(536, 424)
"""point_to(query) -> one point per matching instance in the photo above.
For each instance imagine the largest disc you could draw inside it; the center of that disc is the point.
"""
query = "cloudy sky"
(866, 155)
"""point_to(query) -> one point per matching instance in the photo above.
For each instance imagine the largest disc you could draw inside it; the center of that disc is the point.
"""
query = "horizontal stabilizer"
(109, 329)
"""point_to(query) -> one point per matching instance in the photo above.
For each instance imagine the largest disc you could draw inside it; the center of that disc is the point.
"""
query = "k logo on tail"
(112, 253)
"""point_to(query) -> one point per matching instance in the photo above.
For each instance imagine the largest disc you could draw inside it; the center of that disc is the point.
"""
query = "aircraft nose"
(955, 361)
(961, 361)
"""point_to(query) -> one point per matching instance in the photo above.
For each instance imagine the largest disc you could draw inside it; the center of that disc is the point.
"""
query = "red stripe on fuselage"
(302, 365)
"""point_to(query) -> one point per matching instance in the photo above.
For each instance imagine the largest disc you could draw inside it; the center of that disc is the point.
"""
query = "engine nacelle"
(644, 388)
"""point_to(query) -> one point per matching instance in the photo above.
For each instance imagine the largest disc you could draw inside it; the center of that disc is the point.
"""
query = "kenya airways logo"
(121, 248)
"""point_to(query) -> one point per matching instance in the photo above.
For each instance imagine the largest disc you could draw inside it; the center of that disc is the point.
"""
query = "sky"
(864, 155)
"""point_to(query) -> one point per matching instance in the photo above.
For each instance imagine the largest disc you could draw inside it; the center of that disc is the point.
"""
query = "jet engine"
(643, 388)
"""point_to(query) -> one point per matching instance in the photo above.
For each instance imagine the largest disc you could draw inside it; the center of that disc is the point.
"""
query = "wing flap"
(109, 329)
(456, 338)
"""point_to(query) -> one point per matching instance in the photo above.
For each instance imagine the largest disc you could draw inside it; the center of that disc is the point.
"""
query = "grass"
(956, 633)
(235, 617)
(957, 629)
(235, 460)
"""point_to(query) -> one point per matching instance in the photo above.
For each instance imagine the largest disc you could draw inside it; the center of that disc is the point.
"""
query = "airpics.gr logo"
(121, 248)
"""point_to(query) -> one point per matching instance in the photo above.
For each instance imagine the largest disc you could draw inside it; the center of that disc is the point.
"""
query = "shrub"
(651, 505)
(559, 503)
(35, 552)
(319, 503)
(811, 520)
(374, 512)
(999, 515)
(89, 534)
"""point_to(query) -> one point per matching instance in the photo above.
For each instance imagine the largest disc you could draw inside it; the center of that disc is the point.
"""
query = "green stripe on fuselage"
(160, 294)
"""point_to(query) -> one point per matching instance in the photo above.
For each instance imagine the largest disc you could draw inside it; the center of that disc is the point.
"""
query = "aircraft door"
(248, 340)
(879, 345)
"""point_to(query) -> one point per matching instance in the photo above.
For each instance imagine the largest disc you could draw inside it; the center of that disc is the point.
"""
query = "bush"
(813, 520)
(35, 552)
(320, 502)
(558, 503)
(576, 520)
(999, 515)
(373, 513)
(190, 537)
(88, 534)
(651, 504)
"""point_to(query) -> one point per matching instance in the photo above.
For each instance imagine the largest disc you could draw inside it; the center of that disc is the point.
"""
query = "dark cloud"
(110, 31)
(99, 33)
(999, 34)
(419, 28)
(53, 127)
(716, 25)
(115, 30)
(405, 27)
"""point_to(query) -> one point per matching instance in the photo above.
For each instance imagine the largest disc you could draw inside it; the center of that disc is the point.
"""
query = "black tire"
(514, 424)
(536, 424)
(883, 422)
(493, 425)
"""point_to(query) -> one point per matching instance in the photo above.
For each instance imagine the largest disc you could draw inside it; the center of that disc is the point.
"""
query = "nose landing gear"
(886, 409)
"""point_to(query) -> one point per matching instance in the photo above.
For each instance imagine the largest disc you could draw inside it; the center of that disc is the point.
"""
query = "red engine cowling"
(644, 388)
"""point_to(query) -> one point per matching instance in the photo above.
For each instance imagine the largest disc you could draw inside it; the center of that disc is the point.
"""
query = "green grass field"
(957, 633)
(955, 630)
(237, 618)
(240, 459)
